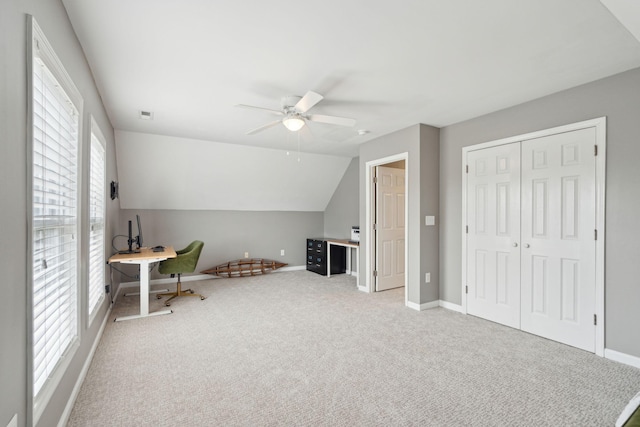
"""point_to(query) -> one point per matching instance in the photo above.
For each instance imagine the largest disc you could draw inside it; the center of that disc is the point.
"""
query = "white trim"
(627, 359)
(193, 278)
(601, 178)
(94, 129)
(424, 306)
(292, 268)
(64, 418)
(463, 296)
(413, 305)
(39, 46)
(434, 304)
(451, 306)
(600, 125)
(368, 271)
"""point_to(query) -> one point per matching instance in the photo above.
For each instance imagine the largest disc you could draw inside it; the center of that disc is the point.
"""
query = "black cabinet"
(317, 257)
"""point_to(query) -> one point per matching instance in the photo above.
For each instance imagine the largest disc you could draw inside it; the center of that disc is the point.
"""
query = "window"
(54, 242)
(97, 195)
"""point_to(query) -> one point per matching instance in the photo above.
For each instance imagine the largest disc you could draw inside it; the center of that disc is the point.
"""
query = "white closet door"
(493, 218)
(390, 228)
(558, 246)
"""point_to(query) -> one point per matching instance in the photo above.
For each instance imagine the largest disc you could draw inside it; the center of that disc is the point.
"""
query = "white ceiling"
(389, 65)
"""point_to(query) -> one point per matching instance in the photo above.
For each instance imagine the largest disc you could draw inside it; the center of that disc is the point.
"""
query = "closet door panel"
(493, 218)
(558, 246)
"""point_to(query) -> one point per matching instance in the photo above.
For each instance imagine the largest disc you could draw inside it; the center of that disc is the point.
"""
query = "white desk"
(350, 246)
(143, 259)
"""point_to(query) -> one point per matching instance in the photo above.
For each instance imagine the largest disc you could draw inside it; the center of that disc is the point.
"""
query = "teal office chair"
(185, 262)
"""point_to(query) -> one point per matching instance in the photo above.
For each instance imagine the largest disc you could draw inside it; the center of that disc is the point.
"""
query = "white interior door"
(558, 237)
(493, 218)
(390, 205)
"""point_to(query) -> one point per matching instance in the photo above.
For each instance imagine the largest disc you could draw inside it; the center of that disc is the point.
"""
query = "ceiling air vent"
(146, 115)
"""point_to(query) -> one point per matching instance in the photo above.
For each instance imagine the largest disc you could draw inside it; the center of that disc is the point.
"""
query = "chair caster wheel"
(202, 298)
(158, 297)
(191, 290)
(168, 305)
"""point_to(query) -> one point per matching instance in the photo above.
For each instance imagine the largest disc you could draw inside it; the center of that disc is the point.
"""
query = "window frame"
(97, 136)
(39, 47)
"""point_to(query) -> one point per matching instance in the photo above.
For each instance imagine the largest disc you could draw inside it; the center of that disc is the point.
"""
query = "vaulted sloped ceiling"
(164, 172)
(387, 64)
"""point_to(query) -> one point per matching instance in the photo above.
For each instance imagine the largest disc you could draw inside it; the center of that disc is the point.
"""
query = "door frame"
(370, 203)
(600, 125)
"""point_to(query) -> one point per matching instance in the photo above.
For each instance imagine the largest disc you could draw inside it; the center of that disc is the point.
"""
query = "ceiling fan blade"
(308, 100)
(263, 127)
(332, 120)
(278, 112)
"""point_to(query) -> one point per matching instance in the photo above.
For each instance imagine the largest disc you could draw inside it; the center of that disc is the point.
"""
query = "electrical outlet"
(246, 254)
(281, 252)
(427, 277)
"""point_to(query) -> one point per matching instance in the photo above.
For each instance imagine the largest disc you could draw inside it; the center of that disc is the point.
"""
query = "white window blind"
(55, 222)
(97, 195)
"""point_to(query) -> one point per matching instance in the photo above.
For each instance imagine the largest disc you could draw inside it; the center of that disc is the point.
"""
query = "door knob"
(526, 245)
(515, 245)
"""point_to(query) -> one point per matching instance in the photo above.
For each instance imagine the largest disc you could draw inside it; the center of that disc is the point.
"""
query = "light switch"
(429, 220)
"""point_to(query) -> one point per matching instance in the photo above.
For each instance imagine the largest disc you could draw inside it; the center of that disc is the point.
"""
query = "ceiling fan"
(294, 113)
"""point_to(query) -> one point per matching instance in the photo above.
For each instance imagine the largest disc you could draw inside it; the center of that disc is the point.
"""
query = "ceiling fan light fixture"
(293, 122)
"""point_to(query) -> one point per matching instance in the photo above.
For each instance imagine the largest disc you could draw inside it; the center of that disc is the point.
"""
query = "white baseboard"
(435, 304)
(193, 278)
(424, 306)
(451, 306)
(167, 281)
(627, 359)
(292, 268)
(64, 418)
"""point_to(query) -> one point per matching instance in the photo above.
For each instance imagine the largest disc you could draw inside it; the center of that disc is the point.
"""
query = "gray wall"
(227, 235)
(343, 211)
(421, 142)
(429, 205)
(14, 352)
(617, 98)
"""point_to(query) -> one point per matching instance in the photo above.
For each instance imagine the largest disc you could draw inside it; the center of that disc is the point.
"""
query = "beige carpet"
(298, 349)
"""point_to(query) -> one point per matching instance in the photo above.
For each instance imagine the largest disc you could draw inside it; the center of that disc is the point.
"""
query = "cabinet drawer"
(317, 257)
(316, 246)
(316, 260)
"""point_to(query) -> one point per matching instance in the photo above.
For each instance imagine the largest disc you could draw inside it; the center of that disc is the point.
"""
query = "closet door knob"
(526, 245)
(515, 245)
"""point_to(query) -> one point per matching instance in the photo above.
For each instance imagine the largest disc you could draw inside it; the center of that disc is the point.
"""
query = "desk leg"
(144, 288)
(328, 259)
(358, 264)
(144, 296)
(349, 260)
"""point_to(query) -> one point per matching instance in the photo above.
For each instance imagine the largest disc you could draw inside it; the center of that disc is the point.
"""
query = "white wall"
(164, 172)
